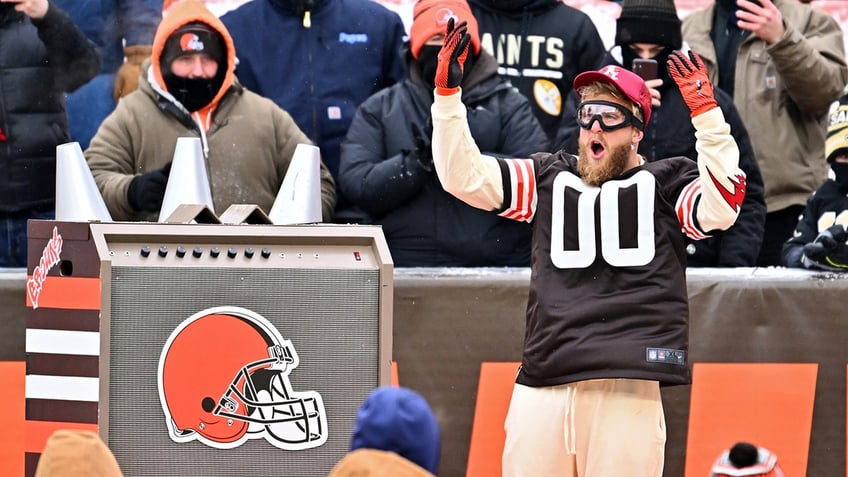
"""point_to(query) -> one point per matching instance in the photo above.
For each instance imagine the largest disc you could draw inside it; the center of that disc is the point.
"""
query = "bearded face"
(597, 171)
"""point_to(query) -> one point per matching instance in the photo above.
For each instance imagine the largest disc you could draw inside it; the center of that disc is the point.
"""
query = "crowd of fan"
(343, 75)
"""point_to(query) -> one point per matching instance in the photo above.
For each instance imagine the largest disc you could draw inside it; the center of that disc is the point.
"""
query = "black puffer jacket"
(670, 133)
(39, 61)
(423, 224)
(541, 45)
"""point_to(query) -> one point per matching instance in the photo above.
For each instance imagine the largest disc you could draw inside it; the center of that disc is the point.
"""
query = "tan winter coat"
(783, 92)
(70, 453)
(249, 139)
(376, 463)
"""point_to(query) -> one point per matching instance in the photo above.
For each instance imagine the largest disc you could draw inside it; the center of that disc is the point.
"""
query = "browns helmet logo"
(190, 42)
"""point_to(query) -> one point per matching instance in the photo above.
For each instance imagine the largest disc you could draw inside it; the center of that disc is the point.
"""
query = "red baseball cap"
(625, 80)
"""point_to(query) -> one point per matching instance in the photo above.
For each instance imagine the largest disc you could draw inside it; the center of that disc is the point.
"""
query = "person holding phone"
(647, 31)
(783, 63)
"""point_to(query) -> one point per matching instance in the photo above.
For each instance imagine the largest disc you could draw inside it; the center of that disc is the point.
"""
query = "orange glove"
(452, 58)
(692, 80)
(126, 80)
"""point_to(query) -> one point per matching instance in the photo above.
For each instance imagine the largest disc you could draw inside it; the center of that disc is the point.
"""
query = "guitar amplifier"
(206, 349)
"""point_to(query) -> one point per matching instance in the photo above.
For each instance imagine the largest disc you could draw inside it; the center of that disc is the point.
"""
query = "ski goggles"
(610, 116)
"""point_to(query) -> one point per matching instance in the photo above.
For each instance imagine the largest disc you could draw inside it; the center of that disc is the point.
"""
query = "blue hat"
(399, 420)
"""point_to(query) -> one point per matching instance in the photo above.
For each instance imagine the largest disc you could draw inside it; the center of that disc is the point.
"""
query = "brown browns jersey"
(608, 293)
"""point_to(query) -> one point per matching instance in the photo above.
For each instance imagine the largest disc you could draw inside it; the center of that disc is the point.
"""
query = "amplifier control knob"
(197, 252)
(266, 252)
(232, 252)
(181, 251)
(248, 252)
(145, 251)
(214, 252)
(163, 251)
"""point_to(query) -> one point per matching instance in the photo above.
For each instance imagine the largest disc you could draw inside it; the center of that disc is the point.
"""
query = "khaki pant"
(596, 428)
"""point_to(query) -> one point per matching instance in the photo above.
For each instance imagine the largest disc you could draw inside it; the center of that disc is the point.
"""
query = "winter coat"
(376, 463)
(783, 92)
(555, 43)
(248, 140)
(40, 60)
(827, 207)
(423, 224)
(670, 133)
(322, 72)
(110, 24)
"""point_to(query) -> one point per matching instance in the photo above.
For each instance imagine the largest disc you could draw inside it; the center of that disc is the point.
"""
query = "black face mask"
(193, 93)
(840, 170)
(428, 62)
(628, 55)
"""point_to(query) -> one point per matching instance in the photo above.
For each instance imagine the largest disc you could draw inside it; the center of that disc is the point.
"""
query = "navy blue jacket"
(39, 61)
(108, 23)
(320, 74)
(424, 225)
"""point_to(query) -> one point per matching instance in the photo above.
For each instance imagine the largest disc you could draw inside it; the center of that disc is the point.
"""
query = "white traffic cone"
(299, 198)
(187, 182)
(77, 196)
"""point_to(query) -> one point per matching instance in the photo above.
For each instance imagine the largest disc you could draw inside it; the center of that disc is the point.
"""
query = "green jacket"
(783, 92)
(250, 143)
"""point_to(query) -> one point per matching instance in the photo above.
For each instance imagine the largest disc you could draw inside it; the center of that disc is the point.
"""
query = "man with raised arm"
(607, 313)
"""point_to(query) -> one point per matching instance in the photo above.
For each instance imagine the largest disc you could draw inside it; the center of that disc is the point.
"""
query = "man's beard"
(596, 173)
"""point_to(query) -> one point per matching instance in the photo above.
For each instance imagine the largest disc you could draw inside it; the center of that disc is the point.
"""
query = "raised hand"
(452, 58)
(828, 251)
(692, 80)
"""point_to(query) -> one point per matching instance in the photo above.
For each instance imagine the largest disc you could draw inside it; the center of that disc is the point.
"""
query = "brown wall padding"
(448, 321)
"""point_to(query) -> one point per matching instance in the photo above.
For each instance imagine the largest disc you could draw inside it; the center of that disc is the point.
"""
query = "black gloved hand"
(452, 58)
(828, 251)
(147, 190)
(423, 152)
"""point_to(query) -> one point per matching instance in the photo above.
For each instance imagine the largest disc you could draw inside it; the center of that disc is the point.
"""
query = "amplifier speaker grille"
(329, 316)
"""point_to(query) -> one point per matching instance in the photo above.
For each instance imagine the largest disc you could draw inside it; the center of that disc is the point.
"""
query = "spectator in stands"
(387, 165)
(607, 313)
(650, 29)
(121, 29)
(189, 90)
(746, 460)
(540, 45)
(42, 56)
(395, 435)
(318, 60)
(784, 64)
(819, 239)
(73, 453)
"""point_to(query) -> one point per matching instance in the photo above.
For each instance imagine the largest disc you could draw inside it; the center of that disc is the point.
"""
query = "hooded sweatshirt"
(248, 141)
(541, 45)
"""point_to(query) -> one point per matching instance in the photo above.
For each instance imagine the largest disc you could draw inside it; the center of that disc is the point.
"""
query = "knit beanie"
(649, 21)
(430, 18)
(195, 37)
(837, 130)
(71, 453)
(746, 460)
(399, 420)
